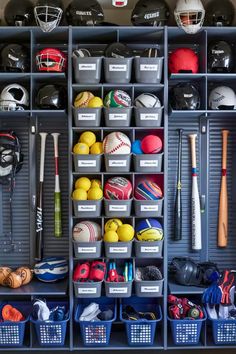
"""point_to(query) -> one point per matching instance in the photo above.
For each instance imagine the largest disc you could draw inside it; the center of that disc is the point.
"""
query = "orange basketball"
(25, 274)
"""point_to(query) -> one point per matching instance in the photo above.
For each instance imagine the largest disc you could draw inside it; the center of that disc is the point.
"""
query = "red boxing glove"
(81, 272)
(97, 271)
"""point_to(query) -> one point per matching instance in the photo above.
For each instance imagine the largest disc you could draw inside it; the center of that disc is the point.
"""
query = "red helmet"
(183, 60)
(51, 60)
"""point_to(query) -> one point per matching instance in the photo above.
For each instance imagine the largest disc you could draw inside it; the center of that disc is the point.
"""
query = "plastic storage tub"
(118, 70)
(224, 331)
(117, 208)
(87, 70)
(87, 250)
(118, 117)
(148, 70)
(119, 289)
(87, 208)
(116, 250)
(148, 208)
(148, 249)
(148, 117)
(87, 163)
(148, 163)
(117, 163)
(87, 117)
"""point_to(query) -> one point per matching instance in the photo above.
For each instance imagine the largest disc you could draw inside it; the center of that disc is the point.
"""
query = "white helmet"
(14, 97)
(222, 97)
(189, 15)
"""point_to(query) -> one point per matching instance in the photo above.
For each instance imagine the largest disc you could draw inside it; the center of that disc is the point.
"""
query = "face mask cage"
(47, 17)
(49, 62)
(190, 21)
(10, 105)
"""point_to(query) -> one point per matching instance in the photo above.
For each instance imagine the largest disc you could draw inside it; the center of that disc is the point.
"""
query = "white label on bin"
(117, 163)
(146, 249)
(87, 67)
(117, 116)
(118, 249)
(148, 67)
(117, 67)
(149, 116)
(117, 207)
(148, 163)
(87, 290)
(87, 207)
(118, 290)
(86, 249)
(149, 207)
(87, 116)
(86, 163)
(149, 289)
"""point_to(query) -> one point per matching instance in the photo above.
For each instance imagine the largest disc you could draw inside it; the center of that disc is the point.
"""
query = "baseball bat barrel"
(178, 199)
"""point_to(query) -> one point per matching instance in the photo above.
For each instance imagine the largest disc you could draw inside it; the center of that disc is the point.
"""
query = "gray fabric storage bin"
(148, 163)
(149, 288)
(117, 208)
(90, 290)
(87, 163)
(148, 70)
(87, 117)
(87, 208)
(116, 250)
(118, 70)
(148, 208)
(118, 117)
(87, 250)
(148, 249)
(87, 70)
(117, 163)
(148, 117)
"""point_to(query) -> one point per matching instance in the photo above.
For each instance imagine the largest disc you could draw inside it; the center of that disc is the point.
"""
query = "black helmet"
(220, 57)
(19, 13)
(118, 50)
(51, 97)
(185, 96)
(15, 58)
(150, 13)
(220, 13)
(84, 13)
(48, 14)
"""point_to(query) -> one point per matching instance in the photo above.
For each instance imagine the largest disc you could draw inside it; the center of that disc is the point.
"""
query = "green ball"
(117, 99)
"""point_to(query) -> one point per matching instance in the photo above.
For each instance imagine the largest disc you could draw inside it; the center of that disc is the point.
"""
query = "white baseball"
(117, 143)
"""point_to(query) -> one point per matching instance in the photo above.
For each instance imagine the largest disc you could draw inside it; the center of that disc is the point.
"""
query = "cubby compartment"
(119, 289)
(148, 288)
(118, 70)
(87, 70)
(223, 97)
(18, 86)
(148, 70)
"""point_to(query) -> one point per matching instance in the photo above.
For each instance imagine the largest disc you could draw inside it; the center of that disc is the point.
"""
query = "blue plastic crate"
(224, 331)
(12, 333)
(96, 333)
(142, 332)
(49, 333)
(186, 332)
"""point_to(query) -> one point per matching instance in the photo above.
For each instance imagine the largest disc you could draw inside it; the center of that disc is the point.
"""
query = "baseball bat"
(223, 203)
(195, 205)
(178, 198)
(39, 212)
(57, 191)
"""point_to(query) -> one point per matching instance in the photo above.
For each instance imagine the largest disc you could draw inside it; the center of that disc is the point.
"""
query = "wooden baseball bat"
(223, 203)
(196, 211)
(178, 198)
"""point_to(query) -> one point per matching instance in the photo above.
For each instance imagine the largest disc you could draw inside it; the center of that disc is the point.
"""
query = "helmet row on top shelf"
(48, 14)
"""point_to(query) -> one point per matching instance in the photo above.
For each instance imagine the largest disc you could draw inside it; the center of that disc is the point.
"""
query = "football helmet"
(51, 97)
(48, 14)
(220, 57)
(189, 15)
(220, 13)
(51, 60)
(183, 60)
(84, 13)
(14, 58)
(150, 13)
(19, 13)
(14, 97)
(222, 98)
(185, 96)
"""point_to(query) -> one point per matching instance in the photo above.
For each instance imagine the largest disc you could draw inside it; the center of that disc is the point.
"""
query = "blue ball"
(149, 230)
(136, 147)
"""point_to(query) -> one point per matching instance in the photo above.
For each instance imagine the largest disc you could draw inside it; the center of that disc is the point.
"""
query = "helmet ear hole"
(16, 93)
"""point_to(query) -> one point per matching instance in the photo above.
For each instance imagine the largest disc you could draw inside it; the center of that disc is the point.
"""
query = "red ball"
(118, 188)
(151, 144)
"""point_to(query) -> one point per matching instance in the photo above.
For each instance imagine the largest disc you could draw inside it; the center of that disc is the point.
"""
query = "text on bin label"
(86, 249)
(149, 289)
(86, 163)
(148, 163)
(117, 116)
(86, 67)
(87, 290)
(149, 208)
(118, 290)
(149, 116)
(148, 67)
(87, 116)
(117, 207)
(117, 67)
(87, 207)
(117, 163)
(118, 249)
(145, 249)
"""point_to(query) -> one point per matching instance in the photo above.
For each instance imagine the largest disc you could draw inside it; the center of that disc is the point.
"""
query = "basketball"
(87, 231)
(118, 188)
(117, 143)
(147, 100)
(82, 99)
(151, 144)
(117, 99)
(149, 230)
(147, 190)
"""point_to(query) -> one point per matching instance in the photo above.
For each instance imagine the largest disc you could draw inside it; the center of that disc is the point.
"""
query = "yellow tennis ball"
(79, 194)
(82, 99)
(81, 149)
(113, 224)
(95, 193)
(95, 102)
(84, 183)
(96, 183)
(96, 148)
(88, 138)
(110, 236)
(125, 233)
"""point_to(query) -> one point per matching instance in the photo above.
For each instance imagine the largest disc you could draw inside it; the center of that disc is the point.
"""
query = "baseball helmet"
(189, 15)
(14, 97)
(222, 98)
(48, 14)
(150, 13)
(118, 50)
(220, 13)
(51, 97)
(220, 57)
(51, 60)
(14, 58)
(84, 13)
(185, 96)
(19, 14)
(183, 60)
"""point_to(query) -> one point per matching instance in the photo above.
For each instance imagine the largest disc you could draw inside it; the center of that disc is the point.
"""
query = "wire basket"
(96, 333)
(224, 331)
